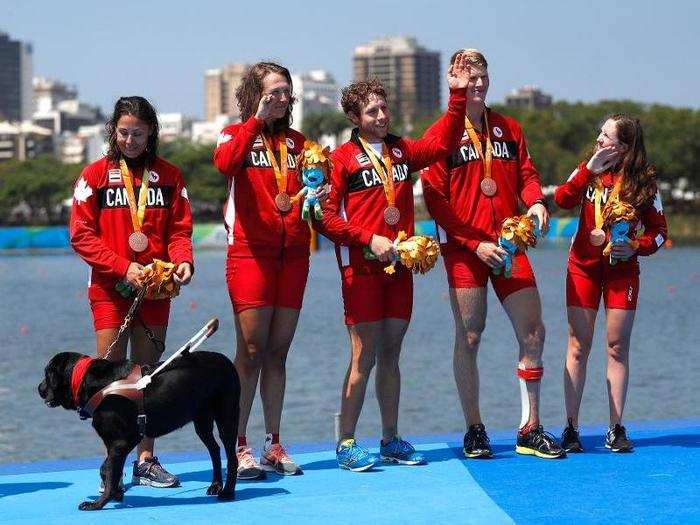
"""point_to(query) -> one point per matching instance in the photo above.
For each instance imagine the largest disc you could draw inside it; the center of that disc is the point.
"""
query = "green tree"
(321, 123)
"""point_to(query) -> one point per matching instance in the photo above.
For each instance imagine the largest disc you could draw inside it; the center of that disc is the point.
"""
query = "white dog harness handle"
(196, 340)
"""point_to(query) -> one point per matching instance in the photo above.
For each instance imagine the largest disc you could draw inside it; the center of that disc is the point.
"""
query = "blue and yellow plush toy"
(620, 217)
(316, 166)
(517, 233)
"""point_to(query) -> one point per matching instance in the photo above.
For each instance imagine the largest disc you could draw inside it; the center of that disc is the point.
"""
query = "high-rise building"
(16, 70)
(528, 97)
(219, 91)
(48, 93)
(315, 92)
(409, 72)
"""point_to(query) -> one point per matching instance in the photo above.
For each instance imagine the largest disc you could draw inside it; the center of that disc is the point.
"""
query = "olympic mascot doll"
(316, 167)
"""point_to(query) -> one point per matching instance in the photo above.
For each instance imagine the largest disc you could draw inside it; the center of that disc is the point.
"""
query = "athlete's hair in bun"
(474, 57)
(250, 91)
(356, 95)
(142, 109)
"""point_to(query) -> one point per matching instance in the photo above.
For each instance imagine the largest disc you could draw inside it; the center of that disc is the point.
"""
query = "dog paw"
(226, 495)
(90, 505)
(214, 489)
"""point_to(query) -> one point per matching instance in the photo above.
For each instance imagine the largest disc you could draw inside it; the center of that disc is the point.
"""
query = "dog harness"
(123, 387)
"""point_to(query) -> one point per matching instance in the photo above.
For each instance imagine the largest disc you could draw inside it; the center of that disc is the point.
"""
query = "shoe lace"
(477, 436)
(543, 437)
(278, 453)
(618, 432)
(153, 467)
(245, 457)
(402, 447)
(355, 451)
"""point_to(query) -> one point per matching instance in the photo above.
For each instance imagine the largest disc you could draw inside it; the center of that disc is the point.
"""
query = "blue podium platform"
(658, 483)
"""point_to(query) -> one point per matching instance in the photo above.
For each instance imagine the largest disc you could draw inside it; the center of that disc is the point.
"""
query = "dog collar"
(79, 371)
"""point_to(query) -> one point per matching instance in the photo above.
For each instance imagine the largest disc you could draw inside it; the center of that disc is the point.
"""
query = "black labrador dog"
(202, 387)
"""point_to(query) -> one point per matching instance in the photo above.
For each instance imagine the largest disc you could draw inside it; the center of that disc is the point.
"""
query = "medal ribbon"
(477, 144)
(280, 174)
(387, 180)
(137, 214)
(598, 200)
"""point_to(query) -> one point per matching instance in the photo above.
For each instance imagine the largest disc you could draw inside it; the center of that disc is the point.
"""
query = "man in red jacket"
(469, 193)
(371, 201)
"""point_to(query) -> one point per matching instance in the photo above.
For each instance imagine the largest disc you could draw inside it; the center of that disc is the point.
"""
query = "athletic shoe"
(476, 442)
(353, 457)
(616, 439)
(570, 438)
(276, 459)
(248, 468)
(101, 490)
(150, 472)
(400, 451)
(539, 443)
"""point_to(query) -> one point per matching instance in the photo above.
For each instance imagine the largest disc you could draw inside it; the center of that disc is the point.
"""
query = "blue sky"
(586, 50)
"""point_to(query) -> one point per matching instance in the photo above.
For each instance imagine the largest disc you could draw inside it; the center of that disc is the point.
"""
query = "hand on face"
(275, 98)
(609, 149)
(604, 158)
(459, 73)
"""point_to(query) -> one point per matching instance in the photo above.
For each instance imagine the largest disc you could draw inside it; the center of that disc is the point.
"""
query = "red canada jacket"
(451, 187)
(580, 189)
(355, 208)
(254, 224)
(100, 221)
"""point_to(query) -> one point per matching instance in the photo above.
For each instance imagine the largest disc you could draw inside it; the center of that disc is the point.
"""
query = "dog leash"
(127, 321)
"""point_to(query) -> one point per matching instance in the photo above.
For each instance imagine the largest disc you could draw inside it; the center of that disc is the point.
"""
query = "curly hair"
(474, 57)
(143, 110)
(639, 182)
(250, 91)
(356, 95)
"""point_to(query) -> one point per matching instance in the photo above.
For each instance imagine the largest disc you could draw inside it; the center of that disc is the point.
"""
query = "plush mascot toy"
(316, 167)
(619, 216)
(517, 233)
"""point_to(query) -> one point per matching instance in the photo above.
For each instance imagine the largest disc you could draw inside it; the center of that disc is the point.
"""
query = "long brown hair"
(250, 90)
(639, 177)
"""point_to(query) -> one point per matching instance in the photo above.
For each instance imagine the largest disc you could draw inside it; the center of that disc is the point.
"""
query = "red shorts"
(111, 313)
(466, 270)
(369, 297)
(255, 282)
(619, 290)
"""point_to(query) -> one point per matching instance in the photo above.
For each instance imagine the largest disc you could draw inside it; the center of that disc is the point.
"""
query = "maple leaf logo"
(82, 191)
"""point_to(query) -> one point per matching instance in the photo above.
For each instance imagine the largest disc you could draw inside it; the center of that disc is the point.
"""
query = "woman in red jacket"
(129, 208)
(268, 252)
(616, 177)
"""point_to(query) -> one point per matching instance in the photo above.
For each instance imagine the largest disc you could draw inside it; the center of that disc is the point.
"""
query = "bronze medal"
(392, 215)
(597, 237)
(283, 202)
(488, 187)
(138, 241)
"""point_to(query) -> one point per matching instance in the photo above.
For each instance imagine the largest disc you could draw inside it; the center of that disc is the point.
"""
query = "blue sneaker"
(353, 457)
(399, 451)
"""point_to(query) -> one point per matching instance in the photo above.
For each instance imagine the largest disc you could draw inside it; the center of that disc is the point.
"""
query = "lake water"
(44, 310)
